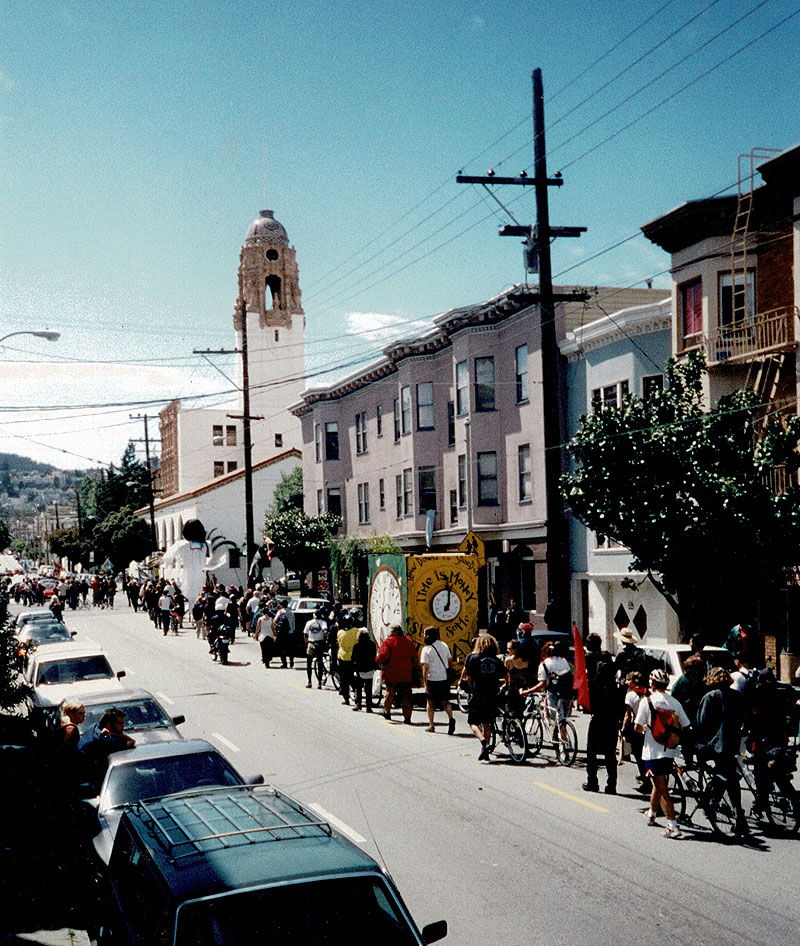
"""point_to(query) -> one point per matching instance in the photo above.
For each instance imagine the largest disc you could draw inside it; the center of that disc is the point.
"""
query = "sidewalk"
(65, 937)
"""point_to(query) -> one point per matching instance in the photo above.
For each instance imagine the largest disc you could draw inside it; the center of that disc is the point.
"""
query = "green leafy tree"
(289, 492)
(13, 690)
(103, 492)
(301, 542)
(69, 543)
(690, 494)
(5, 535)
(122, 537)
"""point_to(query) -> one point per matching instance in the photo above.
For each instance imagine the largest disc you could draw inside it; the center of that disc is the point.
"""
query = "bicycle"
(780, 810)
(325, 670)
(713, 807)
(509, 730)
(563, 736)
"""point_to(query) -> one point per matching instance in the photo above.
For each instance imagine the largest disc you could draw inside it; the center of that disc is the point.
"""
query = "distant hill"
(16, 464)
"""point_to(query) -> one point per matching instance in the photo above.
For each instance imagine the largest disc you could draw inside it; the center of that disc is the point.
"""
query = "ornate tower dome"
(268, 277)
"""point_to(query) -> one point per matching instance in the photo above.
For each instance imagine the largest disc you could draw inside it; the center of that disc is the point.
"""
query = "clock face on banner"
(442, 591)
(385, 603)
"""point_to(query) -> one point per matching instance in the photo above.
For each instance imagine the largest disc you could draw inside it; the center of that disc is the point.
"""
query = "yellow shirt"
(346, 639)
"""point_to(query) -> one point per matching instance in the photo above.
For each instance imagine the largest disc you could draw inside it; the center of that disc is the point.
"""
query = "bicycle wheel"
(567, 743)
(784, 808)
(534, 733)
(320, 672)
(515, 740)
(335, 680)
(677, 792)
(462, 699)
(719, 809)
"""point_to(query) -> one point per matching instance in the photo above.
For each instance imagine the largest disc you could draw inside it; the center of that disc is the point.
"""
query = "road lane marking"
(226, 742)
(165, 698)
(344, 828)
(570, 797)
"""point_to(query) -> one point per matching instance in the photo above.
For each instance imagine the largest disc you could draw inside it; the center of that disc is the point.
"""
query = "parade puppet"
(191, 559)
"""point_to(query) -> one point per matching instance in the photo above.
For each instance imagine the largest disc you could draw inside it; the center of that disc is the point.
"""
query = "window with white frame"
(331, 440)
(230, 435)
(398, 486)
(451, 423)
(217, 435)
(524, 472)
(408, 491)
(521, 372)
(361, 432)
(318, 442)
(691, 315)
(363, 503)
(396, 408)
(425, 406)
(379, 420)
(487, 478)
(426, 487)
(737, 303)
(381, 494)
(462, 388)
(320, 508)
(453, 506)
(484, 384)
(462, 480)
(610, 395)
(219, 468)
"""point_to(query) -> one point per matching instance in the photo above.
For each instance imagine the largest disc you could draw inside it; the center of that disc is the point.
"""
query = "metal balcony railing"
(768, 332)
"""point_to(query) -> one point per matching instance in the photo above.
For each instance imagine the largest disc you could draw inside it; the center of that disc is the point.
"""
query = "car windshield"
(94, 667)
(148, 778)
(310, 604)
(41, 632)
(139, 714)
(357, 911)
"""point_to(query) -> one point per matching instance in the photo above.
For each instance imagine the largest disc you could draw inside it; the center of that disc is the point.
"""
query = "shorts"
(662, 766)
(481, 712)
(438, 691)
(558, 706)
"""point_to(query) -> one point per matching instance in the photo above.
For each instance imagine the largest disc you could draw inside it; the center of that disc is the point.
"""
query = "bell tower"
(270, 287)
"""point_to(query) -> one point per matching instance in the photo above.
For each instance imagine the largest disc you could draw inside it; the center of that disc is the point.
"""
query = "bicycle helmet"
(658, 676)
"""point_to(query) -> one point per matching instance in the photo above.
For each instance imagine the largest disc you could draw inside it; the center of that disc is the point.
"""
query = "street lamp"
(44, 333)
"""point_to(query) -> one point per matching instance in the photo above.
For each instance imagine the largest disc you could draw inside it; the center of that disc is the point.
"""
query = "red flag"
(581, 680)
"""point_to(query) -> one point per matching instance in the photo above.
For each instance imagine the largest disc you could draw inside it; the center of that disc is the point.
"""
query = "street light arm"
(44, 333)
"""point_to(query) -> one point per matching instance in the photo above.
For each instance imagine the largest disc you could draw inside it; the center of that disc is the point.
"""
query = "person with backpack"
(604, 708)
(556, 679)
(284, 638)
(661, 719)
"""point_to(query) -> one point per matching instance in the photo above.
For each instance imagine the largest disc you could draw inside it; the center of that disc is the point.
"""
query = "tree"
(289, 492)
(123, 537)
(5, 535)
(13, 690)
(688, 493)
(301, 542)
(68, 543)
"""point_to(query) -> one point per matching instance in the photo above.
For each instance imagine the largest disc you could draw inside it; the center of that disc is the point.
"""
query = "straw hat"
(626, 636)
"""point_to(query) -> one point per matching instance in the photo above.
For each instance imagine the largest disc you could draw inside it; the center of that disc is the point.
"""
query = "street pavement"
(506, 854)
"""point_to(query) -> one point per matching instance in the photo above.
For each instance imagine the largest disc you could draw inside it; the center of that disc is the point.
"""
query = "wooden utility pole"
(150, 490)
(537, 259)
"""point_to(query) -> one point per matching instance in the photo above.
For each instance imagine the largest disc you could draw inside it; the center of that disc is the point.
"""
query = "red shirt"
(397, 656)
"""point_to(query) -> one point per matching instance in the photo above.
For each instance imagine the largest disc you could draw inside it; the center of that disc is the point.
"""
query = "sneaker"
(308, 686)
(672, 831)
(319, 686)
(650, 817)
(356, 709)
(451, 726)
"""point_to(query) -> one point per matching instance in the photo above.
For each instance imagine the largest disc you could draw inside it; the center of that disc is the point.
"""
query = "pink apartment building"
(448, 420)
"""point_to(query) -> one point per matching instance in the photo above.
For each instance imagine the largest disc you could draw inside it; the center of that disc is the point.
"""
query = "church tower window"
(273, 284)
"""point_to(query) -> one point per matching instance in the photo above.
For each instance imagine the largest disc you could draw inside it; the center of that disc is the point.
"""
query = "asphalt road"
(506, 854)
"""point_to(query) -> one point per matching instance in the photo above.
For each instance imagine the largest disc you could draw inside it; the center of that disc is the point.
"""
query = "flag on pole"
(580, 677)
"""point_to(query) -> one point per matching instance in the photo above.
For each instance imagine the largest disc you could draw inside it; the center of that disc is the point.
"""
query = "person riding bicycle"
(768, 738)
(720, 717)
(555, 678)
(314, 633)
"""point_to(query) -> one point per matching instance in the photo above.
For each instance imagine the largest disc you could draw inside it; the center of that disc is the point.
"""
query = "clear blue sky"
(135, 138)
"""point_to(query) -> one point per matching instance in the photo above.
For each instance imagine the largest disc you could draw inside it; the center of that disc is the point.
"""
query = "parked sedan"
(32, 615)
(145, 718)
(36, 634)
(152, 771)
(65, 671)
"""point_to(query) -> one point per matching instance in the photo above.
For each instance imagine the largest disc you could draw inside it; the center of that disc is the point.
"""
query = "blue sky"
(137, 137)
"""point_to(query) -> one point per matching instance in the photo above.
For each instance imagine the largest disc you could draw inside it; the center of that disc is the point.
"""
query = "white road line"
(344, 828)
(226, 742)
(165, 698)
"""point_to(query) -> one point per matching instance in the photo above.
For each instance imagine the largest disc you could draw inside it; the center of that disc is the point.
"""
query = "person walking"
(397, 658)
(436, 663)
(659, 758)
(346, 639)
(485, 673)
(604, 708)
(314, 634)
(364, 654)
(283, 636)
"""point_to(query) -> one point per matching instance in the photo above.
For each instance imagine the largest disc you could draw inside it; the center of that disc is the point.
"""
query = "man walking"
(397, 658)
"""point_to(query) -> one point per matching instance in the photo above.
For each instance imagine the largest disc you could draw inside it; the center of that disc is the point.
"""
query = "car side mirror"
(434, 931)
(177, 720)
(256, 780)
(121, 674)
(72, 633)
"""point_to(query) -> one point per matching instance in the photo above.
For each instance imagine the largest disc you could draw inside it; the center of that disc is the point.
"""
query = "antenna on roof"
(372, 833)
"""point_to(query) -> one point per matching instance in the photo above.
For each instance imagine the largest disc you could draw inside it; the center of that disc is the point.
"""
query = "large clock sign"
(385, 603)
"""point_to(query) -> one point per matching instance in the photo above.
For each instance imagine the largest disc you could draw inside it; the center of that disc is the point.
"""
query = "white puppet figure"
(191, 558)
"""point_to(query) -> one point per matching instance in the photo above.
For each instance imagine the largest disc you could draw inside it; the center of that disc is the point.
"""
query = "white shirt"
(660, 700)
(552, 667)
(431, 654)
(165, 602)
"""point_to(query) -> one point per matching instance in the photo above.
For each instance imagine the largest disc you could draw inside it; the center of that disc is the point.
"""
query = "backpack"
(561, 685)
(281, 624)
(665, 726)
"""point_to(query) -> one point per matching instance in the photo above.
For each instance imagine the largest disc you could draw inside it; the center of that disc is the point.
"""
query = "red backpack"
(665, 726)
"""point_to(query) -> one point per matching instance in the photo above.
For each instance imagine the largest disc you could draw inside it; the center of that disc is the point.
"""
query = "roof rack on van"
(210, 819)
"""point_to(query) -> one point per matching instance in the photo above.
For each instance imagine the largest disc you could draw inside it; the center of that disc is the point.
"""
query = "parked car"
(150, 771)
(670, 657)
(32, 615)
(247, 865)
(36, 634)
(301, 610)
(145, 718)
(65, 670)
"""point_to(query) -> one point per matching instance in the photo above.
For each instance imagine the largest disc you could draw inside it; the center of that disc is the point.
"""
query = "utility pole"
(537, 259)
(245, 417)
(151, 491)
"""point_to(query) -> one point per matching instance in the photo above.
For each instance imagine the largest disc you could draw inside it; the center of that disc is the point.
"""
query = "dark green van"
(246, 865)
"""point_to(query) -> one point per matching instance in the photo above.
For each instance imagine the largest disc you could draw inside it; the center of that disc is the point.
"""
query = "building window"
(405, 409)
(453, 506)
(451, 423)
(381, 494)
(232, 466)
(487, 478)
(335, 501)
(331, 440)
(363, 503)
(521, 372)
(606, 542)
(361, 432)
(396, 407)
(398, 486)
(652, 384)
(318, 442)
(691, 296)
(219, 468)
(277, 336)
(462, 388)
(408, 491)
(462, 480)
(425, 406)
(234, 558)
(320, 510)
(278, 440)
(737, 303)
(230, 436)
(216, 435)
(484, 384)
(379, 420)
(426, 486)
(524, 467)
(611, 395)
